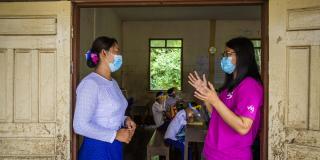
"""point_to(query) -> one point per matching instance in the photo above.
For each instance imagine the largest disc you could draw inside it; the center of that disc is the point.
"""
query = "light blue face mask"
(116, 64)
(226, 65)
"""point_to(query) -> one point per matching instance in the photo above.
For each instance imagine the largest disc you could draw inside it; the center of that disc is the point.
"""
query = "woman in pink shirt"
(235, 112)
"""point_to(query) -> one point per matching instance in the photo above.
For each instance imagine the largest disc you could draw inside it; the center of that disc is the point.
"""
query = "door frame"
(77, 4)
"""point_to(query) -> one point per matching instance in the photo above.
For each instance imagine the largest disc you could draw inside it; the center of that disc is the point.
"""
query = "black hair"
(193, 104)
(159, 94)
(246, 65)
(98, 45)
(171, 90)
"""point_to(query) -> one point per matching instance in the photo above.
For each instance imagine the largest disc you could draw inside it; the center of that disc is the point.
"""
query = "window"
(257, 51)
(165, 64)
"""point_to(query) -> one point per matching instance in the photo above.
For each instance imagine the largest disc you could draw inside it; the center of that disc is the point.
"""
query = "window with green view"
(257, 51)
(165, 63)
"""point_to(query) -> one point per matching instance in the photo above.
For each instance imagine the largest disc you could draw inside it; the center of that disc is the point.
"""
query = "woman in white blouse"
(100, 105)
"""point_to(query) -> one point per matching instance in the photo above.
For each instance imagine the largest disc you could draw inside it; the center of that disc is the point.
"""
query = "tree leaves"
(165, 68)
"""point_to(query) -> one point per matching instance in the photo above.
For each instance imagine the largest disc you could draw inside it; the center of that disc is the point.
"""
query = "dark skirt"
(92, 149)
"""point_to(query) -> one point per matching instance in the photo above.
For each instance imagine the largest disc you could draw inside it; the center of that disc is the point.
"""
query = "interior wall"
(226, 30)
(86, 38)
(136, 34)
(96, 22)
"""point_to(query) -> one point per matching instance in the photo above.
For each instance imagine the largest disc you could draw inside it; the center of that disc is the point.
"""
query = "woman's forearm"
(236, 122)
(209, 107)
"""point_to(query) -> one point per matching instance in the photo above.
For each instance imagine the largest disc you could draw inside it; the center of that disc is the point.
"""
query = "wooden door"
(294, 84)
(35, 48)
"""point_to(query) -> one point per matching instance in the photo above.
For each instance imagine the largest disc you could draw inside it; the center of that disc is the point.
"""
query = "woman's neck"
(234, 75)
(104, 71)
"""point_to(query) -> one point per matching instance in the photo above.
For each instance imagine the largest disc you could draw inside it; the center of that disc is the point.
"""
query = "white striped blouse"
(100, 108)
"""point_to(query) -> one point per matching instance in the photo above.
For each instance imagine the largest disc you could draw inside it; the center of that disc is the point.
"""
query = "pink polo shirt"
(224, 143)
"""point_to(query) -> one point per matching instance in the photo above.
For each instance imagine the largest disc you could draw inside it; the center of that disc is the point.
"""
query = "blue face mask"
(226, 65)
(116, 64)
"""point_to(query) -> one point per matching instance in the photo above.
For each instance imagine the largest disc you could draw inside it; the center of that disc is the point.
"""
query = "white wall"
(136, 34)
(94, 23)
(226, 30)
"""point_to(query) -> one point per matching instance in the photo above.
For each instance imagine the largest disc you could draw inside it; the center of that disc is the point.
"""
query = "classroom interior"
(202, 31)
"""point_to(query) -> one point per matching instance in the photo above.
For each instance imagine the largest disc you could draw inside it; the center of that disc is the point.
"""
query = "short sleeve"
(249, 99)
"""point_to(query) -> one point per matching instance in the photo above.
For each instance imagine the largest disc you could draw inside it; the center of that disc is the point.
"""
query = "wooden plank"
(22, 85)
(100, 3)
(28, 157)
(303, 19)
(27, 146)
(28, 42)
(298, 86)
(298, 152)
(24, 130)
(302, 137)
(63, 80)
(31, 8)
(315, 89)
(28, 26)
(6, 85)
(265, 78)
(47, 85)
(3, 88)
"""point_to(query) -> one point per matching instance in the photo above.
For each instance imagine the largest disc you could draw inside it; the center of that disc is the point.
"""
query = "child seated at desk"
(158, 110)
(172, 98)
(175, 134)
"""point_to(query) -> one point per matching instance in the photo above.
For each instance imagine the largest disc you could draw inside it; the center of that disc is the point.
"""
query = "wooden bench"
(156, 146)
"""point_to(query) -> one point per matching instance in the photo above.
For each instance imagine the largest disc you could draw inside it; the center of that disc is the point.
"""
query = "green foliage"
(157, 43)
(165, 68)
(256, 43)
(174, 43)
(257, 51)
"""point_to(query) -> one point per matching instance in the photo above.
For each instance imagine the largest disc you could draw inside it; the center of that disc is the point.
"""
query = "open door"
(35, 48)
(294, 85)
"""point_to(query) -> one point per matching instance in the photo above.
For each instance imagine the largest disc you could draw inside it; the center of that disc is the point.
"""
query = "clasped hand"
(125, 134)
(204, 90)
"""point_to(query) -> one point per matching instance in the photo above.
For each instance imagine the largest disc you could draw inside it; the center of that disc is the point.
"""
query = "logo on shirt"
(230, 95)
(251, 108)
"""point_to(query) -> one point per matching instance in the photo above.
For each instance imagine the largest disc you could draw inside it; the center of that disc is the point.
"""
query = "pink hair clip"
(94, 58)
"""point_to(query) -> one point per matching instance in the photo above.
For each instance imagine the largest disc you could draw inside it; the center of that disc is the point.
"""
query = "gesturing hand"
(203, 92)
(196, 81)
(208, 95)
